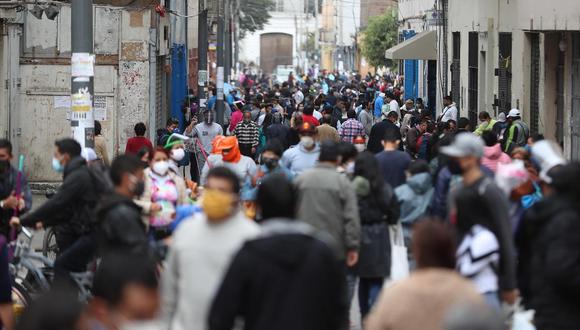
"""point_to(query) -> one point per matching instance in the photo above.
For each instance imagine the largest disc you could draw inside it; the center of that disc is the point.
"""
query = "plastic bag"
(399, 261)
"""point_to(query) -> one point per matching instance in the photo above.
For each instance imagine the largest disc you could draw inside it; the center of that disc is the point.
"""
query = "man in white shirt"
(450, 110)
(201, 252)
(391, 104)
(298, 96)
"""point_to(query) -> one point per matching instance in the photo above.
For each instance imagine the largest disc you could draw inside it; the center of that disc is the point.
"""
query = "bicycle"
(49, 245)
(33, 272)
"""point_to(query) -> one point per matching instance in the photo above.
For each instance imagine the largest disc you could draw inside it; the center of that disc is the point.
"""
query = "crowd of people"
(293, 201)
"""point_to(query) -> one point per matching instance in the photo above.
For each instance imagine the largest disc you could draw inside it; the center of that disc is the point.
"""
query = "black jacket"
(378, 133)
(284, 280)
(7, 186)
(120, 226)
(73, 205)
(548, 241)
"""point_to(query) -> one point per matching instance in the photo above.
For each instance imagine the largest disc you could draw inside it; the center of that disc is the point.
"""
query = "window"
(456, 68)
(473, 78)
(279, 5)
(504, 73)
(534, 81)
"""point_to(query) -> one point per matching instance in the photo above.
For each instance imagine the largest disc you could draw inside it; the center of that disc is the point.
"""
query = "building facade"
(521, 54)
(132, 78)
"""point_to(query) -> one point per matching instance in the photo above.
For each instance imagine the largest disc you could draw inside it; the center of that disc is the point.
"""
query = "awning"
(422, 46)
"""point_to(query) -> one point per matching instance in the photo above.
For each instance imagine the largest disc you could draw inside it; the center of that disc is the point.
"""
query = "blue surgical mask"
(57, 166)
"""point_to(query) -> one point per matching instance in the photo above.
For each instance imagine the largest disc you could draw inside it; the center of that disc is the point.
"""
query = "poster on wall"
(100, 108)
(62, 103)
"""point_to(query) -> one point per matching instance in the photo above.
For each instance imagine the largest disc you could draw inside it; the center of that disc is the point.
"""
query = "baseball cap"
(306, 128)
(464, 145)
(513, 113)
(501, 117)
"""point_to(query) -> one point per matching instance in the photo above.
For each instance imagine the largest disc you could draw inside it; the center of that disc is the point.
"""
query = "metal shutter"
(504, 101)
(535, 82)
(473, 78)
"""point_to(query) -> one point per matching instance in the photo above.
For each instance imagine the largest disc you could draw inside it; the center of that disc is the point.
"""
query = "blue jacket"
(378, 106)
(415, 197)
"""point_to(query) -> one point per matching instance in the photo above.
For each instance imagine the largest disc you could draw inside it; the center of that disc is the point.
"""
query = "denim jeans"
(368, 292)
(492, 300)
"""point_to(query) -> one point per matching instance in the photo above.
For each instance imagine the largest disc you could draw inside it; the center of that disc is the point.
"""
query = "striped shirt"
(478, 258)
(247, 133)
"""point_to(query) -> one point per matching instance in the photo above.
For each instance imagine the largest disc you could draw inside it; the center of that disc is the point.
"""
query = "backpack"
(101, 179)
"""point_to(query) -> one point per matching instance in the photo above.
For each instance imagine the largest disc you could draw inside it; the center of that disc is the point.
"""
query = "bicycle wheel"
(20, 299)
(49, 246)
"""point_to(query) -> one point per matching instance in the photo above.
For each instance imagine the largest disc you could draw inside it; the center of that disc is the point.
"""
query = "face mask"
(4, 165)
(270, 163)
(454, 167)
(161, 167)
(217, 205)
(307, 141)
(57, 166)
(138, 186)
(247, 120)
(360, 147)
(177, 154)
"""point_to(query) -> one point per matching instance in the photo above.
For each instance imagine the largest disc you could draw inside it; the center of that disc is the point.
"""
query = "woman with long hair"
(378, 207)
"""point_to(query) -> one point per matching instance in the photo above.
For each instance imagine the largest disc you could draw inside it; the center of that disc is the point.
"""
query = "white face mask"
(161, 167)
(307, 141)
(360, 147)
(177, 154)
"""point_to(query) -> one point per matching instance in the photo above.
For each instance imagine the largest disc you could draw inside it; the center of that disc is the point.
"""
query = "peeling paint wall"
(121, 75)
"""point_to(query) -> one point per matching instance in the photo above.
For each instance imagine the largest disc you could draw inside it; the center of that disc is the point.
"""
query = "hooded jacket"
(415, 197)
(548, 244)
(120, 226)
(285, 279)
(73, 204)
(493, 156)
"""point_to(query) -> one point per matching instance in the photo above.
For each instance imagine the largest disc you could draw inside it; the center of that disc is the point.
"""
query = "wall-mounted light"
(36, 11)
(563, 45)
(51, 12)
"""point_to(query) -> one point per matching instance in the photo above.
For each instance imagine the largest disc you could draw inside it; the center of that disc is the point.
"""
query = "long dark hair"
(367, 166)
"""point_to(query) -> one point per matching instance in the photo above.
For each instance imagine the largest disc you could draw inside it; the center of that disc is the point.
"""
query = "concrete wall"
(121, 75)
(519, 18)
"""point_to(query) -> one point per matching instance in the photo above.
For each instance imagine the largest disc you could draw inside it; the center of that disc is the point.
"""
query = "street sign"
(201, 77)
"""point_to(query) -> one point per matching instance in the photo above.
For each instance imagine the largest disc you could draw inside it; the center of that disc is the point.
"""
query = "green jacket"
(484, 127)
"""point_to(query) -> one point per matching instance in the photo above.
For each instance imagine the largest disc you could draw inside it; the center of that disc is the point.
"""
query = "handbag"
(399, 261)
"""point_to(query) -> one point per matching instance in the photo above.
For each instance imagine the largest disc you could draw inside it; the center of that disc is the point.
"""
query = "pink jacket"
(493, 156)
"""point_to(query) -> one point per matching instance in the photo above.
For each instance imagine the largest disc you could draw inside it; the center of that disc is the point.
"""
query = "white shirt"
(449, 112)
(246, 167)
(394, 106)
(199, 256)
(477, 257)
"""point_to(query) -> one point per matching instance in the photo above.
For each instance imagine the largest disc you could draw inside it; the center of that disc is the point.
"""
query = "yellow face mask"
(217, 205)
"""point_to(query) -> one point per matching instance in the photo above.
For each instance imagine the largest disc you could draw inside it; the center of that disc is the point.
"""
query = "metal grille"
(575, 120)
(159, 95)
(504, 72)
(473, 78)
(456, 67)
(535, 82)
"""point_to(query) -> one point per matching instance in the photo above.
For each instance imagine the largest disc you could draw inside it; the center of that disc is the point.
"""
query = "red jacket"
(310, 119)
(135, 144)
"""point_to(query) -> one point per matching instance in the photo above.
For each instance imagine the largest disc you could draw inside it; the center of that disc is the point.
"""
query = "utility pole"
(227, 41)
(202, 74)
(220, 65)
(82, 73)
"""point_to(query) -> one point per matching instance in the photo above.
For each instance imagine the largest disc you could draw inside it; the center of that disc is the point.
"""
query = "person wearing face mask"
(466, 152)
(125, 293)
(360, 143)
(202, 249)
(231, 158)
(270, 159)
(248, 134)
(176, 148)
(348, 154)
(304, 155)
(163, 192)
(70, 210)
(120, 225)
(9, 202)
(289, 264)
(205, 133)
